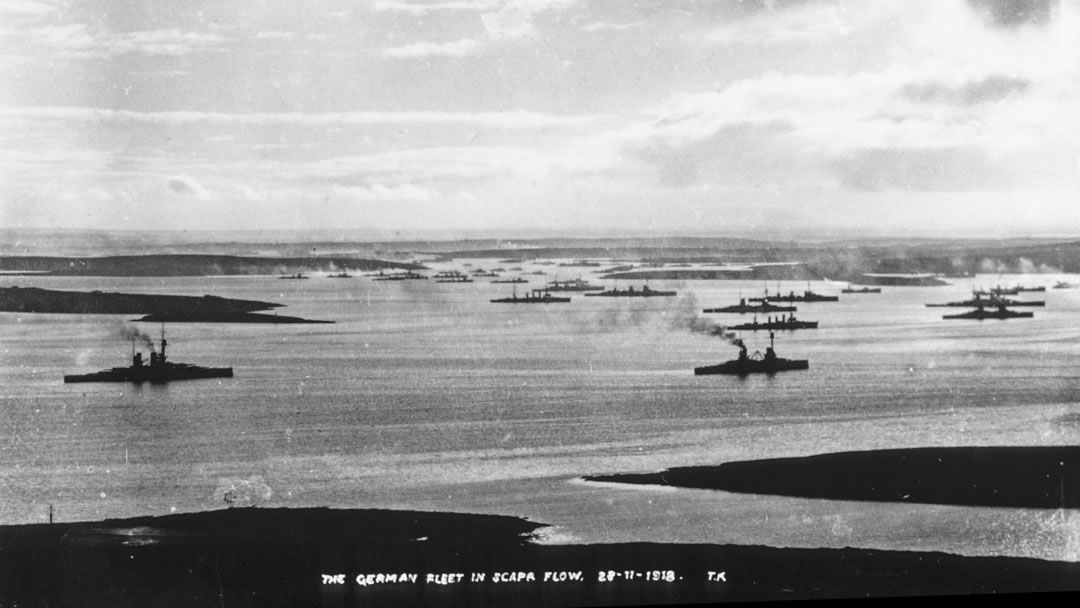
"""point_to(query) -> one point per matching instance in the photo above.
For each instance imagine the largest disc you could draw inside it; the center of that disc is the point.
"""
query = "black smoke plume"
(134, 334)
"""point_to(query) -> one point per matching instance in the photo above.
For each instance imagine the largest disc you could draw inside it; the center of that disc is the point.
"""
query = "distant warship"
(644, 292)
(743, 307)
(781, 322)
(806, 296)
(757, 363)
(536, 296)
(574, 285)
(852, 289)
(156, 371)
(981, 313)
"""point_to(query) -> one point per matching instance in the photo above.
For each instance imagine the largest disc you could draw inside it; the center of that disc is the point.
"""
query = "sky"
(754, 117)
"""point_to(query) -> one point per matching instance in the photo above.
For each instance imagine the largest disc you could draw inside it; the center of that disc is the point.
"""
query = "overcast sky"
(935, 117)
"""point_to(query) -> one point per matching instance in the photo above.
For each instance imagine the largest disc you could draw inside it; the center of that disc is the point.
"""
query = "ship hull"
(151, 375)
(991, 315)
(758, 309)
(775, 326)
(746, 367)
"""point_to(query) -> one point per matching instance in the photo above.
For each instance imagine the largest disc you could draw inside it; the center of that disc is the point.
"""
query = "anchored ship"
(513, 280)
(452, 276)
(781, 322)
(536, 296)
(757, 363)
(853, 289)
(298, 275)
(644, 292)
(743, 307)
(992, 301)
(574, 285)
(159, 369)
(981, 313)
(807, 296)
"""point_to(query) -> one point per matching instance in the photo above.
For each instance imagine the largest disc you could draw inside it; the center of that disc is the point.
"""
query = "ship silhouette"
(158, 370)
(757, 363)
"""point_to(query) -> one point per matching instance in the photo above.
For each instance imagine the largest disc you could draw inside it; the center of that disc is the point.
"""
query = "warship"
(156, 371)
(397, 276)
(536, 296)
(853, 289)
(452, 276)
(757, 363)
(644, 292)
(298, 275)
(513, 280)
(485, 273)
(781, 322)
(340, 275)
(743, 307)
(979, 302)
(807, 296)
(1065, 285)
(1000, 312)
(574, 285)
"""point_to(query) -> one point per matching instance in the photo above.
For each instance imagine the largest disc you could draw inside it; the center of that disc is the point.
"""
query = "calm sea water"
(427, 396)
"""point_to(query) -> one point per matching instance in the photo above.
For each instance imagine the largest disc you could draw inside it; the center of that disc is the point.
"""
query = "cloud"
(501, 120)
(1015, 13)
(458, 48)
(28, 8)
(598, 26)
(420, 9)
(186, 186)
(77, 40)
(379, 192)
(275, 36)
(987, 89)
(804, 23)
(515, 18)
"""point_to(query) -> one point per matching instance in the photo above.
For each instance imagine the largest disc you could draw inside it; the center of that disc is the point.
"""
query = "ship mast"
(161, 357)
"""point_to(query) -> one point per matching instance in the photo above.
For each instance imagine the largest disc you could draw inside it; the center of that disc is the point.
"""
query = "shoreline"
(354, 557)
(999, 476)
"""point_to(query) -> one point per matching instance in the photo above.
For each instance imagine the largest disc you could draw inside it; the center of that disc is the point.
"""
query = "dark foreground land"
(156, 307)
(1020, 477)
(322, 557)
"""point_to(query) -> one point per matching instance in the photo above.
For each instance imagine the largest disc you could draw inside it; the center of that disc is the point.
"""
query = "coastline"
(354, 557)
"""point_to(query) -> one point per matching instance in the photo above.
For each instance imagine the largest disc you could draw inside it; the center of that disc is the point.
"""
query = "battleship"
(644, 292)
(513, 280)
(757, 363)
(574, 285)
(397, 276)
(536, 296)
(340, 275)
(298, 275)
(485, 273)
(853, 289)
(743, 307)
(992, 301)
(452, 276)
(158, 370)
(807, 296)
(782, 322)
(1000, 312)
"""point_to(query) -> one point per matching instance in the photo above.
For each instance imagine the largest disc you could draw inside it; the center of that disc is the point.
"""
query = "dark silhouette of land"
(1019, 477)
(163, 265)
(156, 307)
(321, 557)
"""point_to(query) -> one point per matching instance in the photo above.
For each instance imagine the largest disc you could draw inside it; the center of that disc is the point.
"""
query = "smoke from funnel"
(687, 317)
(134, 334)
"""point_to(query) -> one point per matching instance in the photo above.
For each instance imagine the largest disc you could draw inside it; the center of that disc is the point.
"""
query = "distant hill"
(190, 265)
